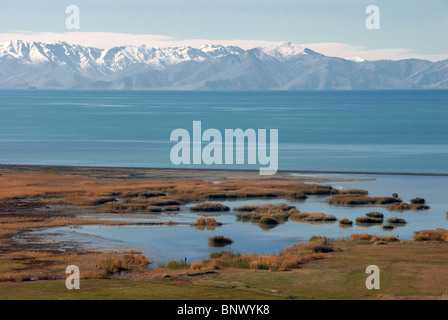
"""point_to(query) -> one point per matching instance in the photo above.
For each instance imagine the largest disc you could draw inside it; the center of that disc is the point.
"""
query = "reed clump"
(418, 200)
(206, 222)
(360, 199)
(407, 207)
(210, 207)
(241, 189)
(176, 264)
(287, 259)
(266, 214)
(396, 220)
(350, 192)
(389, 226)
(298, 196)
(432, 235)
(372, 238)
(312, 217)
(319, 244)
(142, 194)
(264, 207)
(121, 263)
(345, 222)
(369, 220)
(374, 214)
(116, 207)
(51, 264)
(219, 241)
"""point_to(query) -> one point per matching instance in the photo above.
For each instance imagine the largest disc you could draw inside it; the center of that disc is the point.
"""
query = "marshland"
(166, 224)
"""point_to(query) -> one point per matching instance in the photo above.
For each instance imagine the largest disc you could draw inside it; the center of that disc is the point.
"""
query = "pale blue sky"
(420, 27)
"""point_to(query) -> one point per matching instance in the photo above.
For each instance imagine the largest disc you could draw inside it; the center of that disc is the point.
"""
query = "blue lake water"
(390, 131)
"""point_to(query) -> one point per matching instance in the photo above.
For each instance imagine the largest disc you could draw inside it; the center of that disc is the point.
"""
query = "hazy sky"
(407, 28)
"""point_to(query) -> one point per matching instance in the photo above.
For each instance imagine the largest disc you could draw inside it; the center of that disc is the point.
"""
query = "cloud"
(108, 40)
(103, 40)
(344, 50)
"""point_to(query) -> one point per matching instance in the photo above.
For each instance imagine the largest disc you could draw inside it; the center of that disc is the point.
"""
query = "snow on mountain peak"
(105, 61)
(30, 52)
(355, 59)
(284, 51)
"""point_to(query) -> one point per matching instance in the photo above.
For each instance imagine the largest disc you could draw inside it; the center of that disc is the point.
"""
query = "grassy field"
(411, 270)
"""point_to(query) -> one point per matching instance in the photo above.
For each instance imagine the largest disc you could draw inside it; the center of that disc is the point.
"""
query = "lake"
(387, 131)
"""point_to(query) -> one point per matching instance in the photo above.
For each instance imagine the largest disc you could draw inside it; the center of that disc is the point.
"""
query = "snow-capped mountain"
(111, 60)
(287, 51)
(286, 66)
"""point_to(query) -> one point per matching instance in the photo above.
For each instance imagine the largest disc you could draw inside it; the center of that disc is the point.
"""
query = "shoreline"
(217, 170)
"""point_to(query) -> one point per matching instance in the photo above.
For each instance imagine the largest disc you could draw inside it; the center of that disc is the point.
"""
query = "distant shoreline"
(279, 172)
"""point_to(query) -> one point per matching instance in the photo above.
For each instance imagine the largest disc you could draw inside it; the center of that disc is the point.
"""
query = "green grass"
(416, 271)
(120, 289)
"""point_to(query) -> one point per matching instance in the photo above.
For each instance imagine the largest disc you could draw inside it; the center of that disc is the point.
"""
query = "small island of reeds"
(345, 222)
(370, 218)
(219, 241)
(268, 214)
(206, 224)
(210, 207)
(360, 199)
(312, 217)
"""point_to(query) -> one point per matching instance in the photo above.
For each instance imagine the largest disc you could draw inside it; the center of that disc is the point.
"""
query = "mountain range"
(287, 66)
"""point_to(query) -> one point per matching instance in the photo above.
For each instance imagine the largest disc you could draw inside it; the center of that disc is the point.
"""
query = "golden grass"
(396, 220)
(360, 199)
(264, 207)
(312, 217)
(176, 264)
(267, 214)
(346, 222)
(206, 222)
(372, 238)
(264, 189)
(406, 207)
(351, 192)
(219, 241)
(116, 207)
(319, 244)
(432, 235)
(50, 265)
(369, 220)
(210, 207)
(289, 258)
(375, 214)
(89, 190)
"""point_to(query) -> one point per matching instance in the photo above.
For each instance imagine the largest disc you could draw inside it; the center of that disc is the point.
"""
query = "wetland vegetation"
(40, 198)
